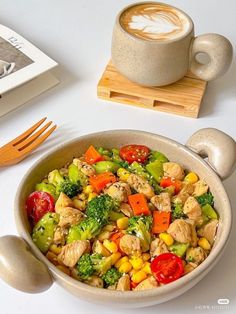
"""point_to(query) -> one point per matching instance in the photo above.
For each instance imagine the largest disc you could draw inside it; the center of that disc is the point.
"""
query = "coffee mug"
(153, 44)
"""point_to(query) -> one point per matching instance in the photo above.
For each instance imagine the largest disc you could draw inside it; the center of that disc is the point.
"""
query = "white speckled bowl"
(24, 267)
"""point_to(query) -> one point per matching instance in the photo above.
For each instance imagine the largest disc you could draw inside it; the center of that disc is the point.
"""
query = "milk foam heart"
(154, 21)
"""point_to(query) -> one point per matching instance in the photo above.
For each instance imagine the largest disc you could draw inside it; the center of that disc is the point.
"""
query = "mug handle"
(20, 268)
(220, 52)
(218, 147)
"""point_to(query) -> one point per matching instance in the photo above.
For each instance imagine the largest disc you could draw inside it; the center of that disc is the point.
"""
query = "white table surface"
(77, 34)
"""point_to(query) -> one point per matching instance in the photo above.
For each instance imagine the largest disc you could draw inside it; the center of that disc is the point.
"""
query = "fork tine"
(29, 140)
(27, 133)
(38, 141)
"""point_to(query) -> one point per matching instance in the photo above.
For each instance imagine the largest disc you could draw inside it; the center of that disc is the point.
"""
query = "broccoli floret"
(140, 226)
(85, 267)
(177, 211)
(111, 276)
(100, 207)
(63, 184)
(93, 264)
(105, 152)
(85, 230)
(206, 198)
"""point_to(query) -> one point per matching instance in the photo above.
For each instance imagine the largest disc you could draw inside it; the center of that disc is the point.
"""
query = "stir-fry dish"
(123, 219)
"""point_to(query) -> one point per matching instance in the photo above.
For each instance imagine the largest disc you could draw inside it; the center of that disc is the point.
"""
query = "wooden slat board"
(183, 97)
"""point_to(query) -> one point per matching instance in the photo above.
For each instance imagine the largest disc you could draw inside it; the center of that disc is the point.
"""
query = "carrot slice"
(161, 221)
(167, 181)
(139, 204)
(92, 155)
(101, 180)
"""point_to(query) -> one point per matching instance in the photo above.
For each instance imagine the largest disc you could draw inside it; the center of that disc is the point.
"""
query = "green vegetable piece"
(177, 211)
(155, 169)
(55, 178)
(43, 231)
(73, 173)
(105, 152)
(155, 155)
(101, 264)
(138, 169)
(111, 276)
(209, 211)
(140, 226)
(179, 248)
(113, 216)
(47, 187)
(69, 188)
(117, 159)
(206, 198)
(106, 166)
(85, 230)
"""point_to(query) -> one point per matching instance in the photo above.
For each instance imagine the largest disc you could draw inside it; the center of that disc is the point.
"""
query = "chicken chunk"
(99, 248)
(173, 170)
(123, 283)
(60, 236)
(192, 208)
(130, 244)
(200, 188)
(126, 209)
(208, 231)
(195, 255)
(140, 185)
(71, 253)
(180, 230)
(194, 237)
(63, 201)
(189, 267)
(147, 284)
(85, 168)
(162, 202)
(157, 247)
(187, 188)
(119, 191)
(70, 216)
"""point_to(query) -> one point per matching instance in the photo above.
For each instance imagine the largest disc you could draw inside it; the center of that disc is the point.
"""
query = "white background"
(77, 35)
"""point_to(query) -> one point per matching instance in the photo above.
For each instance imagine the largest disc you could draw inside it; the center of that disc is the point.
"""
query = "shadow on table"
(223, 87)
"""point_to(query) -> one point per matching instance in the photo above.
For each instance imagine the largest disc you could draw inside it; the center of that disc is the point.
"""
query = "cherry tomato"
(167, 267)
(38, 204)
(133, 152)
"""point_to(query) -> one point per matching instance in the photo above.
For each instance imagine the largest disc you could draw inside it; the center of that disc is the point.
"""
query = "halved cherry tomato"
(38, 204)
(167, 267)
(134, 152)
(168, 181)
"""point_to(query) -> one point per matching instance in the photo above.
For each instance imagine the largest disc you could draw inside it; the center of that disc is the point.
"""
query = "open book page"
(20, 61)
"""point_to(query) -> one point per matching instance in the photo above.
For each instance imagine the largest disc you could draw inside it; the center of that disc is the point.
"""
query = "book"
(25, 71)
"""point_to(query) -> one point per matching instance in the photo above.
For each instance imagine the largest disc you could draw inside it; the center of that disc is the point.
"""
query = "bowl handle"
(218, 147)
(20, 268)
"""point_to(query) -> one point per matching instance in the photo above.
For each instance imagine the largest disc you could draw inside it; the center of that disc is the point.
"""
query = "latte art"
(154, 22)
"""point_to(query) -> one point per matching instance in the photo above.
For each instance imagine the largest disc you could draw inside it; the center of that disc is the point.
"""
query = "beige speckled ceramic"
(158, 62)
(25, 268)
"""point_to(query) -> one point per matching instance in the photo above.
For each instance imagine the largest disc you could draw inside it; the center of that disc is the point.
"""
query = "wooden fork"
(19, 148)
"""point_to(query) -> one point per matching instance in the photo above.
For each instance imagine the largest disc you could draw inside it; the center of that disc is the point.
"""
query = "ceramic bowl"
(24, 267)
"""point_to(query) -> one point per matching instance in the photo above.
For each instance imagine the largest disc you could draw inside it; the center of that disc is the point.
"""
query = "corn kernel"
(136, 262)
(146, 257)
(132, 272)
(139, 276)
(110, 245)
(122, 223)
(91, 196)
(55, 249)
(147, 268)
(88, 189)
(167, 238)
(64, 269)
(125, 267)
(79, 204)
(191, 177)
(104, 235)
(121, 261)
(204, 244)
(123, 174)
(115, 257)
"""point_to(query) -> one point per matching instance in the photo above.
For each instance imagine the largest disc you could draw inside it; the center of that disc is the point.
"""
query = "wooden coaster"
(183, 97)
